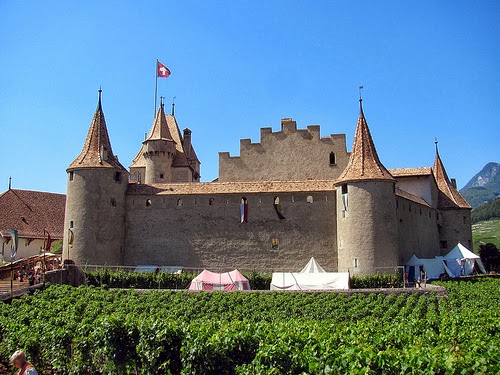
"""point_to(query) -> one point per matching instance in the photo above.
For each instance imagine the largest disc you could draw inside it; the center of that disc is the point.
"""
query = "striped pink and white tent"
(207, 280)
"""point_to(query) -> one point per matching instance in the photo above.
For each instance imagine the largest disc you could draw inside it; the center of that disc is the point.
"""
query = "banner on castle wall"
(71, 238)
(15, 243)
(345, 201)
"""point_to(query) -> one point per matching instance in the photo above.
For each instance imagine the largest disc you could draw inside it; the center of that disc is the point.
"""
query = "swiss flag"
(161, 70)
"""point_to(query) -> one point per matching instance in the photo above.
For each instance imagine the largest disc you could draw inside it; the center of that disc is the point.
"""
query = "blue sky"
(429, 69)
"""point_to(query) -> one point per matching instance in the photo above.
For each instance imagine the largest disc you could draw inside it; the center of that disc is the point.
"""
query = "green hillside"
(486, 232)
(487, 211)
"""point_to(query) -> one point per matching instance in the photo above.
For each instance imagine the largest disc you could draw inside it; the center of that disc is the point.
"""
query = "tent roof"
(460, 252)
(312, 267)
(220, 278)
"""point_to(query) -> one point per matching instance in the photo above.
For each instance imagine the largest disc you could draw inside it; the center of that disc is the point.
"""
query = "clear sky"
(429, 69)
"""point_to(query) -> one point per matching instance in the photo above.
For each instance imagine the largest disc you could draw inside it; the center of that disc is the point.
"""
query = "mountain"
(484, 186)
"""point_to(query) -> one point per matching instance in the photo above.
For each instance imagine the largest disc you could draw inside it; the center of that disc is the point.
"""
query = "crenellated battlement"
(290, 153)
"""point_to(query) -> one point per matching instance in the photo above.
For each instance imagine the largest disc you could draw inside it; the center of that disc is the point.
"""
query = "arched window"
(211, 202)
(148, 203)
(332, 158)
(179, 202)
(243, 210)
(310, 199)
(277, 207)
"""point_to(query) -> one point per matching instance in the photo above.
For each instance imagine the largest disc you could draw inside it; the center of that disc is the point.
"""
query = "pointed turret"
(448, 196)
(364, 163)
(159, 130)
(159, 151)
(97, 151)
(366, 224)
(94, 223)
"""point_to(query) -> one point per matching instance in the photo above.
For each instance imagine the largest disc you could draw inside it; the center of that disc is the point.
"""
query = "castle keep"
(291, 196)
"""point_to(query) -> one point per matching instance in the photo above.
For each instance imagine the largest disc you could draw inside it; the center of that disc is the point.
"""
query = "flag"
(48, 241)
(161, 70)
(15, 243)
(71, 237)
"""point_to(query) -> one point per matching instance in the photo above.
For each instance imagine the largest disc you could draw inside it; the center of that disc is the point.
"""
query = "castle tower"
(366, 214)
(158, 151)
(94, 224)
(454, 222)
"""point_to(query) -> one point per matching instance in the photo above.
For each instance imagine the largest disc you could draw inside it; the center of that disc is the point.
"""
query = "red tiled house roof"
(30, 212)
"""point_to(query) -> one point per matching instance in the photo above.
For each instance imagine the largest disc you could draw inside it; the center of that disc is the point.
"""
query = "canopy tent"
(312, 267)
(312, 277)
(433, 267)
(458, 262)
(461, 261)
(207, 280)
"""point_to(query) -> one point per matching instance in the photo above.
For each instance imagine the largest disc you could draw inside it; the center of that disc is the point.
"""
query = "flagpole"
(156, 85)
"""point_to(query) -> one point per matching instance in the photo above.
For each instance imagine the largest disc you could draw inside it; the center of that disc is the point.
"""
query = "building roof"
(411, 197)
(411, 172)
(240, 187)
(97, 151)
(30, 212)
(448, 195)
(364, 163)
(159, 130)
(180, 159)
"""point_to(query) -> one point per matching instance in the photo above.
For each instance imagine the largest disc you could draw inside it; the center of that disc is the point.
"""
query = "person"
(18, 360)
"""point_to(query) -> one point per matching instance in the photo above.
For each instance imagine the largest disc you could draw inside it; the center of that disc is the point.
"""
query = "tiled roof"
(30, 212)
(180, 159)
(240, 187)
(448, 195)
(97, 152)
(160, 129)
(364, 163)
(411, 197)
(407, 172)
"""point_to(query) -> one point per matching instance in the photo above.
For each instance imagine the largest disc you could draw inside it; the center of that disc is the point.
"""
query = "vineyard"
(91, 330)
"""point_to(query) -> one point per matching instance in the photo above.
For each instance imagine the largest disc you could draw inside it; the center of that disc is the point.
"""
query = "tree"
(490, 256)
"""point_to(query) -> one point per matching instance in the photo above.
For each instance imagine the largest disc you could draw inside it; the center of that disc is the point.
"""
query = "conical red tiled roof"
(448, 195)
(364, 163)
(97, 151)
(159, 130)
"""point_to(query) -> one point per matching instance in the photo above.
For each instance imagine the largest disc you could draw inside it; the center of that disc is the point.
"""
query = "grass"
(486, 232)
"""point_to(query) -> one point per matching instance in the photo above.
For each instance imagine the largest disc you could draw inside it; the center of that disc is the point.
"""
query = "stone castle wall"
(455, 226)
(198, 231)
(417, 230)
(289, 154)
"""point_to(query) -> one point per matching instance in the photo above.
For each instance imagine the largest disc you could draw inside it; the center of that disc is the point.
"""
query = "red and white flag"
(161, 70)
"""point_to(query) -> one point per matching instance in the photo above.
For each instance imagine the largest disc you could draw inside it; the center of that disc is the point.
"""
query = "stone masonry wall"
(205, 231)
(289, 154)
(417, 230)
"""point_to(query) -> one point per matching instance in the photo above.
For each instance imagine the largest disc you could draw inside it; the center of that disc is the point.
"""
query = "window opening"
(243, 210)
(332, 158)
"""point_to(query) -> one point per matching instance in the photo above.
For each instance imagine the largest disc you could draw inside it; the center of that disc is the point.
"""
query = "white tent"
(461, 260)
(432, 267)
(458, 262)
(312, 277)
(312, 267)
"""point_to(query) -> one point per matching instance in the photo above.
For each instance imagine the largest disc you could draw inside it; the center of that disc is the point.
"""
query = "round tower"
(94, 225)
(159, 151)
(366, 214)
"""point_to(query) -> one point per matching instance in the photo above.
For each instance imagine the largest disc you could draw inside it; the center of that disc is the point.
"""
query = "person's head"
(18, 359)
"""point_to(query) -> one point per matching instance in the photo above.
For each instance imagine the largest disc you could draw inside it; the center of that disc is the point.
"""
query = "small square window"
(443, 244)
(344, 188)
(118, 176)
(113, 202)
(71, 224)
(71, 176)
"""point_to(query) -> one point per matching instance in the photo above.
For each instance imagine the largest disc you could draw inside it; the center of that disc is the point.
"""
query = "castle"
(291, 196)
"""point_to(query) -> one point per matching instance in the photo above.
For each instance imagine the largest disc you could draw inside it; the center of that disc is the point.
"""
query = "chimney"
(454, 182)
(186, 143)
